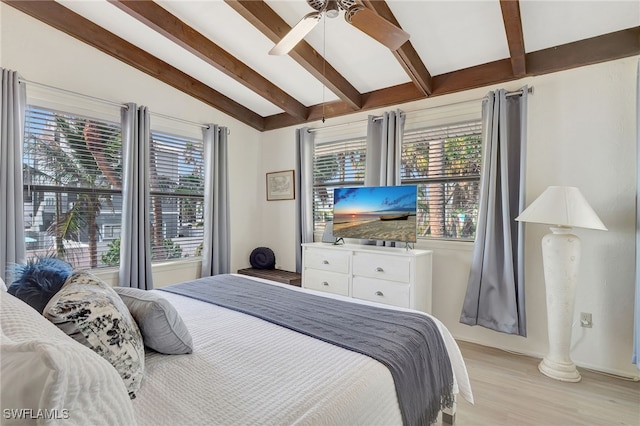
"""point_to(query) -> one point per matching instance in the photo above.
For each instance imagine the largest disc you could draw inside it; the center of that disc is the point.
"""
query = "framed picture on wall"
(281, 186)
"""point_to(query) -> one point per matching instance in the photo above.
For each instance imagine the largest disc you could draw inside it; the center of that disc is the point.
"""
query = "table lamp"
(564, 207)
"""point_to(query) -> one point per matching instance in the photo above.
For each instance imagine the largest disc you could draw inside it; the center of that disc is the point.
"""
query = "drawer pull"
(325, 262)
(379, 269)
(379, 293)
(325, 283)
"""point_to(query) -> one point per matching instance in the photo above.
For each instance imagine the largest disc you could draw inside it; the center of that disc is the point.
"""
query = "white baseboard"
(596, 369)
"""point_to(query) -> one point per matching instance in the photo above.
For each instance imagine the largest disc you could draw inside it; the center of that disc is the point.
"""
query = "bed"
(245, 370)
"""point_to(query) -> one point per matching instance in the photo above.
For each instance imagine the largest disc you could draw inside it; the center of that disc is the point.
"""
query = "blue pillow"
(36, 282)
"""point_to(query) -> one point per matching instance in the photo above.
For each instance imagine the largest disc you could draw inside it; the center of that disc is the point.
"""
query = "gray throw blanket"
(407, 343)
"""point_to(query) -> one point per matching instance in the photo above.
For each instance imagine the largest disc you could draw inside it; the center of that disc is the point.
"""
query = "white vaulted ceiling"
(454, 45)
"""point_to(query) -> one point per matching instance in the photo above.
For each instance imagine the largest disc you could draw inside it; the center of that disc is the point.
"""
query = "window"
(445, 164)
(335, 164)
(177, 196)
(73, 190)
(72, 186)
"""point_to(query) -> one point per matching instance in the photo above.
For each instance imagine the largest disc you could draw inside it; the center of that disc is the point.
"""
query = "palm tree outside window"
(72, 173)
(72, 186)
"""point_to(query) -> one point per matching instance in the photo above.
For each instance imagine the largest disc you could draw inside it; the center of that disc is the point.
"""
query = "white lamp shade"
(563, 206)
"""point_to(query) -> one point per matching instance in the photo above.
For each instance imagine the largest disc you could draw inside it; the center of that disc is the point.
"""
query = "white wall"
(581, 132)
(278, 217)
(44, 55)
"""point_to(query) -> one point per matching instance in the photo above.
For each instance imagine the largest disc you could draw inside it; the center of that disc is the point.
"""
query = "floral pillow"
(91, 312)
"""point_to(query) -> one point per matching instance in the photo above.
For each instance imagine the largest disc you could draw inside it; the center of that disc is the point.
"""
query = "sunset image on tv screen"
(375, 213)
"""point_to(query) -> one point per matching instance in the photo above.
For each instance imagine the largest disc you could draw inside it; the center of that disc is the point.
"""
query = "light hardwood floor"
(509, 390)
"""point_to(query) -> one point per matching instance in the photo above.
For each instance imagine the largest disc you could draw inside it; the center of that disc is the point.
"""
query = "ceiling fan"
(355, 13)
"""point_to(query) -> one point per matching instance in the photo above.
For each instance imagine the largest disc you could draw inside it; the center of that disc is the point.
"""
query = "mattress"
(244, 370)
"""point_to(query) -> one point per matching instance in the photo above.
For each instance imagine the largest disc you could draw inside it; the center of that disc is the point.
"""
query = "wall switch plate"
(585, 320)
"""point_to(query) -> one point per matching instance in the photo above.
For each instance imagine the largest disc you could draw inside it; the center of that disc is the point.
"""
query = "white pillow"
(48, 378)
(3, 286)
(90, 311)
(161, 326)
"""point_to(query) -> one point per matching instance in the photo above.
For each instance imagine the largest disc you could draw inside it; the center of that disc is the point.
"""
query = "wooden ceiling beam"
(406, 54)
(389, 96)
(607, 47)
(162, 21)
(265, 19)
(456, 81)
(474, 77)
(69, 22)
(515, 38)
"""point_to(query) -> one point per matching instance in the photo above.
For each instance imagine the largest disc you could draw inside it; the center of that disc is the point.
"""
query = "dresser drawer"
(330, 282)
(383, 267)
(327, 260)
(381, 291)
(390, 275)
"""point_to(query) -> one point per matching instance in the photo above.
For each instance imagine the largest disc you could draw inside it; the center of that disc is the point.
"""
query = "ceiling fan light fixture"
(332, 10)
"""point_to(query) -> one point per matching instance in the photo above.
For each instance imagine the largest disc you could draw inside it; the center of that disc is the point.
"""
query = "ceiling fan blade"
(375, 26)
(296, 34)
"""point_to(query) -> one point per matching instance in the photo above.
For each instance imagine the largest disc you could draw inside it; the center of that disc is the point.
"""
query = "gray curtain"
(304, 188)
(495, 292)
(384, 151)
(14, 103)
(636, 331)
(216, 250)
(384, 147)
(135, 245)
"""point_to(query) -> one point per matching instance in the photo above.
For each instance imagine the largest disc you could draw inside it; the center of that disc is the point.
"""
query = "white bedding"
(247, 371)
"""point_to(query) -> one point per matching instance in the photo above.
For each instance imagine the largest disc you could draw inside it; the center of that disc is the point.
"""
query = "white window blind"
(444, 162)
(177, 196)
(72, 187)
(335, 164)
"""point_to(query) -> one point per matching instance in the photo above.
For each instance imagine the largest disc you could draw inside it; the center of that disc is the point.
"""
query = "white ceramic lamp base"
(561, 257)
(564, 371)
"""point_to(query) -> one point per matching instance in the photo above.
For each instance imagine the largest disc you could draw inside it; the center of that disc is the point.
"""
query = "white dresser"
(394, 276)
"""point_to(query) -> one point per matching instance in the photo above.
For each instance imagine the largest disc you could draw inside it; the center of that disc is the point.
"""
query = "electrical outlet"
(585, 320)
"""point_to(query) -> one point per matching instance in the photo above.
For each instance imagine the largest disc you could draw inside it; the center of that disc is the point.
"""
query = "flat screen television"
(376, 213)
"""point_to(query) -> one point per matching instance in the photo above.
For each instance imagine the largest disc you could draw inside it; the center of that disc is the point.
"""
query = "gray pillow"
(161, 326)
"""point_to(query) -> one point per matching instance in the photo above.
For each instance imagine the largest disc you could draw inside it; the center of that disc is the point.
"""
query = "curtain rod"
(104, 101)
(509, 94)
(180, 120)
(113, 103)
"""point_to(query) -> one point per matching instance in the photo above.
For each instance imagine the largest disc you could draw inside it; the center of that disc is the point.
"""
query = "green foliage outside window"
(111, 257)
